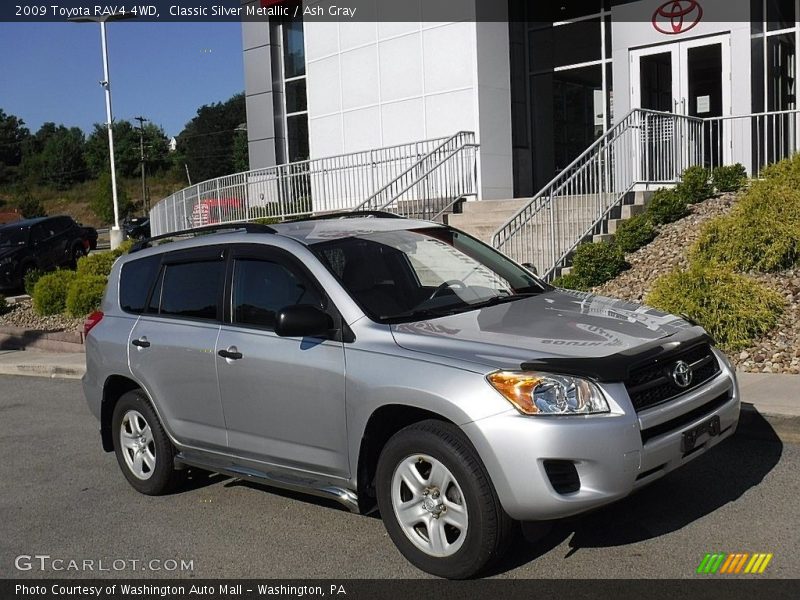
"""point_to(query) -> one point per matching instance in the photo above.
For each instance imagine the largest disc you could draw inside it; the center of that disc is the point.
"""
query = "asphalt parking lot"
(62, 496)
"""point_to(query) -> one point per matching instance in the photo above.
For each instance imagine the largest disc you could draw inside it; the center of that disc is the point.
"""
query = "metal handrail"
(468, 134)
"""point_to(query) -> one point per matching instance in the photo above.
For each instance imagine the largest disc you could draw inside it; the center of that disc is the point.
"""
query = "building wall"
(373, 84)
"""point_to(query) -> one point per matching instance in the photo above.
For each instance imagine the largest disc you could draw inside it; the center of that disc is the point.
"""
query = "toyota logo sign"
(677, 16)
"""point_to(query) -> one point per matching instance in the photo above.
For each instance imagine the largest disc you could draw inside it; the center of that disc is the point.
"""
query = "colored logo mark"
(677, 16)
(734, 564)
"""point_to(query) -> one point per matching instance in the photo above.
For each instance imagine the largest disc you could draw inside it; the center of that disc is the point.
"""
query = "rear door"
(283, 398)
(42, 245)
(171, 348)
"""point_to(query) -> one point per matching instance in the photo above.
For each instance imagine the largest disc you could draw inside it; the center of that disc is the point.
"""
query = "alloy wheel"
(138, 446)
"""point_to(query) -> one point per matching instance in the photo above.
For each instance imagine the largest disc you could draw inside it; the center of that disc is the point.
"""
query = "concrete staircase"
(482, 219)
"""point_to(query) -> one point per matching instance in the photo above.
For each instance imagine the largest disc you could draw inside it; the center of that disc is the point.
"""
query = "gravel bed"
(776, 352)
(23, 315)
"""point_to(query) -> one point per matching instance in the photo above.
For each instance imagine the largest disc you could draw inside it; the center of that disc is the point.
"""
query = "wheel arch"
(382, 424)
(113, 389)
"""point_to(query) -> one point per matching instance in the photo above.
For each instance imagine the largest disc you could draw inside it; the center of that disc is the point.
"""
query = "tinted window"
(13, 236)
(262, 288)
(40, 233)
(192, 290)
(60, 225)
(135, 282)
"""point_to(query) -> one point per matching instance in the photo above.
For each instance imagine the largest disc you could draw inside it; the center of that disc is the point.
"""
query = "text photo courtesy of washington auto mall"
(377, 299)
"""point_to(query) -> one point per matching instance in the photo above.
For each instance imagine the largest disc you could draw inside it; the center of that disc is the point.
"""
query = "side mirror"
(531, 267)
(302, 320)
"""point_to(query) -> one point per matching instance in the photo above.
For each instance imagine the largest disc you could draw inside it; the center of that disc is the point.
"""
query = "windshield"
(13, 236)
(400, 276)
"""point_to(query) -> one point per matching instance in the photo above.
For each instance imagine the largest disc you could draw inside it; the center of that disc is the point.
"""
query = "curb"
(49, 371)
(765, 426)
(19, 338)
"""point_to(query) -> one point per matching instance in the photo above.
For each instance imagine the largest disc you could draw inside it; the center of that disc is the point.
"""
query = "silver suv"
(400, 365)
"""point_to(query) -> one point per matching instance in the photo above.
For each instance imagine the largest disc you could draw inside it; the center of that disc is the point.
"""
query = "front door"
(284, 398)
(690, 78)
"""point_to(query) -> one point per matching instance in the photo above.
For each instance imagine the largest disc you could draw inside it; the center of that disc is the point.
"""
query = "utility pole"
(142, 121)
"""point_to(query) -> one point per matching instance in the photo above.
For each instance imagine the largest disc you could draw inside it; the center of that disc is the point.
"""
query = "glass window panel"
(297, 136)
(781, 79)
(262, 288)
(296, 95)
(563, 10)
(564, 45)
(780, 14)
(756, 16)
(294, 54)
(192, 290)
(135, 282)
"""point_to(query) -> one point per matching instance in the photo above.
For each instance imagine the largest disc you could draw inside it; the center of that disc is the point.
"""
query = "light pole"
(142, 121)
(116, 233)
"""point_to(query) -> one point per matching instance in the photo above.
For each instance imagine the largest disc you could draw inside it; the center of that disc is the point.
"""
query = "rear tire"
(437, 501)
(77, 253)
(144, 451)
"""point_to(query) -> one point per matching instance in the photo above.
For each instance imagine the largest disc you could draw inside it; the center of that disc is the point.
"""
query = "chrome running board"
(305, 484)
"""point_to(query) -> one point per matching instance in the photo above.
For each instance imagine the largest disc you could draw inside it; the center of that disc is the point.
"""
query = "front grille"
(653, 384)
(686, 418)
(563, 476)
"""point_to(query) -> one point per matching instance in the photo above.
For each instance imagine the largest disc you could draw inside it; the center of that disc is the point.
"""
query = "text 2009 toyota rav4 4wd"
(400, 363)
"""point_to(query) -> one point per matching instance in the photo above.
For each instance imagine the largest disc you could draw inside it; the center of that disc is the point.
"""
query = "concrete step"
(483, 207)
(602, 237)
(631, 210)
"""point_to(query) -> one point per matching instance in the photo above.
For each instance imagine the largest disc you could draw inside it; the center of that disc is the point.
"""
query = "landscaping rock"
(776, 352)
(22, 315)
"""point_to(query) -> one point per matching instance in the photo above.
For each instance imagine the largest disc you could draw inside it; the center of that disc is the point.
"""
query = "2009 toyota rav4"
(397, 363)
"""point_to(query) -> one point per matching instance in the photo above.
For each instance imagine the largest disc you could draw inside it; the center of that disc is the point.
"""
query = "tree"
(127, 149)
(241, 157)
(31, 207)
(54, 156)
(102, 200)
(13, 134)
(207, 141)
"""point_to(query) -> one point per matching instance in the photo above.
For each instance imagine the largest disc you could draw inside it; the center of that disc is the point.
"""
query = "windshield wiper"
(423, 313)
(495, 300)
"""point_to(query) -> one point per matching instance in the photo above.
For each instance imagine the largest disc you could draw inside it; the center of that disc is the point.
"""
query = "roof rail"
(349, 214)
(246, 227)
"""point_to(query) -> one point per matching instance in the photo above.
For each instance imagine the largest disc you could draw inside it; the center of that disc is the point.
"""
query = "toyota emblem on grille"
(682, 374)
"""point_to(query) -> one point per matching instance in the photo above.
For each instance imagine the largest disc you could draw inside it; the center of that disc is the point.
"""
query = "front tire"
(144, 452)
(437, 501)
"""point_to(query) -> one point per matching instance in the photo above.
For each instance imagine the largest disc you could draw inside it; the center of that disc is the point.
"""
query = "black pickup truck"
(45, 243)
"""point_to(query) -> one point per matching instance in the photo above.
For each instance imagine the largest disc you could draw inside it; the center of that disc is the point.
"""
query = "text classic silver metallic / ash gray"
(400, 365)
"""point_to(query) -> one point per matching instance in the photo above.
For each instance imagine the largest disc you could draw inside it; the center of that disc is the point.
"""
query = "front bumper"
(613, 454)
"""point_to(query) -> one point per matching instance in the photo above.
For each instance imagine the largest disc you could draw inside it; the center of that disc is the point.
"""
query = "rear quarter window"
(136, 280)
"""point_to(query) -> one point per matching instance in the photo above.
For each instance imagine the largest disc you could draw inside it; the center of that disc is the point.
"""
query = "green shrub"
(594, 264)
(634, 233)
(568, 281)
(31, 207)
(761, 233)
(50, 292)
(729, 179)
(786, 171)
(97, 263)
(666, 206)
(695, 185)
(266, 221)
(733, 308)
(84, 295)
(123, 248)
(31, 277)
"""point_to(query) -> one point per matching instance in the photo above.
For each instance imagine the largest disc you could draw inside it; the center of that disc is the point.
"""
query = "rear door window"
(192, 290)
(136, 280)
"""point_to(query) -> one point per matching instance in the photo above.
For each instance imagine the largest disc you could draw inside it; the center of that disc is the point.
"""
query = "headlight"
(548, 394)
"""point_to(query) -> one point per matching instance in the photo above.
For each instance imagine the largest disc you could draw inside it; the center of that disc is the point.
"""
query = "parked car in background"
(136, 228)
(45, 243)
(400, 364)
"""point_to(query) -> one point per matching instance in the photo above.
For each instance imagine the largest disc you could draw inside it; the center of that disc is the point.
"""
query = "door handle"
(230, 354)
(141, 342)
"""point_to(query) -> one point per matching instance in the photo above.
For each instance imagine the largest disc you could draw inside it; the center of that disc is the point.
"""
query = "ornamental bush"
(634, 233)
(733, 308)
(695, 185)
(594, 264)
(729, 179)
(666, 206)
(31, 277)
(761, 233)
(84, 295)
(97, 263)
(50, 292)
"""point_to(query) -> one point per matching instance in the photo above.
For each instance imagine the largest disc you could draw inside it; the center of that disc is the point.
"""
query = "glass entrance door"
(690, 78)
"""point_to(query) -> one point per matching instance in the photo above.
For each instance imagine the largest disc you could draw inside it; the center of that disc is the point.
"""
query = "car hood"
(552, 325)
